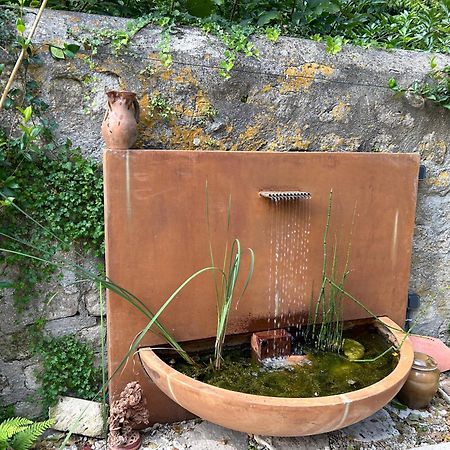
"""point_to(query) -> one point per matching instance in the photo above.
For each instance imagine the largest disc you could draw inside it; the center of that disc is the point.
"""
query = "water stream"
(290, 223)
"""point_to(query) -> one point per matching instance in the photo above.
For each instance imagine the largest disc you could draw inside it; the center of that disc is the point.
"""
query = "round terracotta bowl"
(278, 416)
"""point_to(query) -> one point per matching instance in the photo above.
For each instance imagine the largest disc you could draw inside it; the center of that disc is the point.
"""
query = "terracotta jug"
(422, 382)
(119, 127)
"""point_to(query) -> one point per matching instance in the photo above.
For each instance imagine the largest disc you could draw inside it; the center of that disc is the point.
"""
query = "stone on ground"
(78, 416)
(441, 446)
(378, 427)
(194, 436)
(319, 442)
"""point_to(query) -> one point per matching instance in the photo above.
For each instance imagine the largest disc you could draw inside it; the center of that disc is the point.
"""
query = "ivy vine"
(62, 190)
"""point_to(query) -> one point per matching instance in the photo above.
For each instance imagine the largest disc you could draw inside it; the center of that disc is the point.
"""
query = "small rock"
(445, 385)
(78, 416)
(378, 427)
(353, 349)
(317, 442)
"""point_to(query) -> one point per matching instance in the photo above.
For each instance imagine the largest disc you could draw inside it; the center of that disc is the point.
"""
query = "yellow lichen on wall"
(442, 180)
(298, 79)
(146, 121)
(340, 111)
(192, 138)
(265, 89)
(183, 110)
(288, 140)
(202, 104)
(433, 150)
(185, 76)
(248, 140)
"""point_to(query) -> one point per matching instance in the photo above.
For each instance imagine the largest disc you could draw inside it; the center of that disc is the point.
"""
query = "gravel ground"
(389, 429)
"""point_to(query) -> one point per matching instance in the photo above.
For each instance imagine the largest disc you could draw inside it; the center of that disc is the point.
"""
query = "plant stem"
(233, 9)
(22, 55)
(104, 377)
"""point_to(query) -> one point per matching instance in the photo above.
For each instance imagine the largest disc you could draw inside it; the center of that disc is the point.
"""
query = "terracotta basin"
(276, 416)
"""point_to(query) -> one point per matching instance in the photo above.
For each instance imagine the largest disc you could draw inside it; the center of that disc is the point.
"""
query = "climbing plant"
(39, 174)
(435, 87)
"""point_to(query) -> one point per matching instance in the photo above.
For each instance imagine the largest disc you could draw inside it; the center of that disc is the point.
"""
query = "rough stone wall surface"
(294, 97)
(66, 307)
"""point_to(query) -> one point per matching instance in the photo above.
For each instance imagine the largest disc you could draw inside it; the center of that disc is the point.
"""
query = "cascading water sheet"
(290, 222)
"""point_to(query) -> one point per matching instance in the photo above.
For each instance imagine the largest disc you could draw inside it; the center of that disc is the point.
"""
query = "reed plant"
(225, 286)
(328, 308)
(326, 321)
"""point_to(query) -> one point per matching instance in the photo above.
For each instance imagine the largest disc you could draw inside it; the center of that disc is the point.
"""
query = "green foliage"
(160, 107)
(67, 369)
(435, 87)
(226, 285)
(67, 51)
(63, 190)
(18, 433)
(408, 24)
(6, 412)
(273, 33)
(333, 45)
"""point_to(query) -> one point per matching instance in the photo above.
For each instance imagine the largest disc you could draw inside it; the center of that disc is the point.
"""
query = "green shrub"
(67, 369)
(6, 412)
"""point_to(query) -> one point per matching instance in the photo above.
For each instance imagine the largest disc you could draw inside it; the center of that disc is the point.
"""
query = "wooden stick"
(22, 55)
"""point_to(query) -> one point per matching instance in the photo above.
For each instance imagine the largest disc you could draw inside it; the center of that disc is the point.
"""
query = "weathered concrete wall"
(295, 97)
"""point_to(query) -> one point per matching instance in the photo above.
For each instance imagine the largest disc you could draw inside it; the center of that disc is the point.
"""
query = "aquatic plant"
(328, 307)
(228, 278)
(326, 323)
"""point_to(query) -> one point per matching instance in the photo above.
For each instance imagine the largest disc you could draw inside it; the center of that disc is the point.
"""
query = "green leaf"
(266, 17)
(20, 26)
(333, 45)
(2, 67)
(56, 52)
(9, 103)
(26, 113)
(73, 48)
(69, 54)
(433, 63)
(6, 284)
(392, 83)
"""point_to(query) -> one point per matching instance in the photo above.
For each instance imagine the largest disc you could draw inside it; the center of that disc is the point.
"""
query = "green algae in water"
(326, 374)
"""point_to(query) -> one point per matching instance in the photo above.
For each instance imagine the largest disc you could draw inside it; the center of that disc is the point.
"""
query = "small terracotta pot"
(119, 127)
(422, 382)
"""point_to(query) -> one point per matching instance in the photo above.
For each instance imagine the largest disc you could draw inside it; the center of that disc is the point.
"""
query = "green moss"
(327, 373)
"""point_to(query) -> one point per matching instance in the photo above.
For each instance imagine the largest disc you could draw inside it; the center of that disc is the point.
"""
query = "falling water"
(290, 222)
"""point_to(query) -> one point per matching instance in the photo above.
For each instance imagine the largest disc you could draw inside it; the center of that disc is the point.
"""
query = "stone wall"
(294, 97)
(66, 307)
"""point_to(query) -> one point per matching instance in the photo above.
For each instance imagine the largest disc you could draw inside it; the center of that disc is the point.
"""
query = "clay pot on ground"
(422, 382)
(119, 127)
(277, 416)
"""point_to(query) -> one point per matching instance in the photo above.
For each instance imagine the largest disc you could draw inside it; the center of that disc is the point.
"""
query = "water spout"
(277, 196)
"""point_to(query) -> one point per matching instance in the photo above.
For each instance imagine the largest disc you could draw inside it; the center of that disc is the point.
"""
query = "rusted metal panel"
(157, 236)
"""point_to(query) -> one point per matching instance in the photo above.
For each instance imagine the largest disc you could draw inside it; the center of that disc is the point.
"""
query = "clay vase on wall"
(119, 127)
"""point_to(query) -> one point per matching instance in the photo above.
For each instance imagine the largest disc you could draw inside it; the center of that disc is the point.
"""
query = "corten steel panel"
(157, 236)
